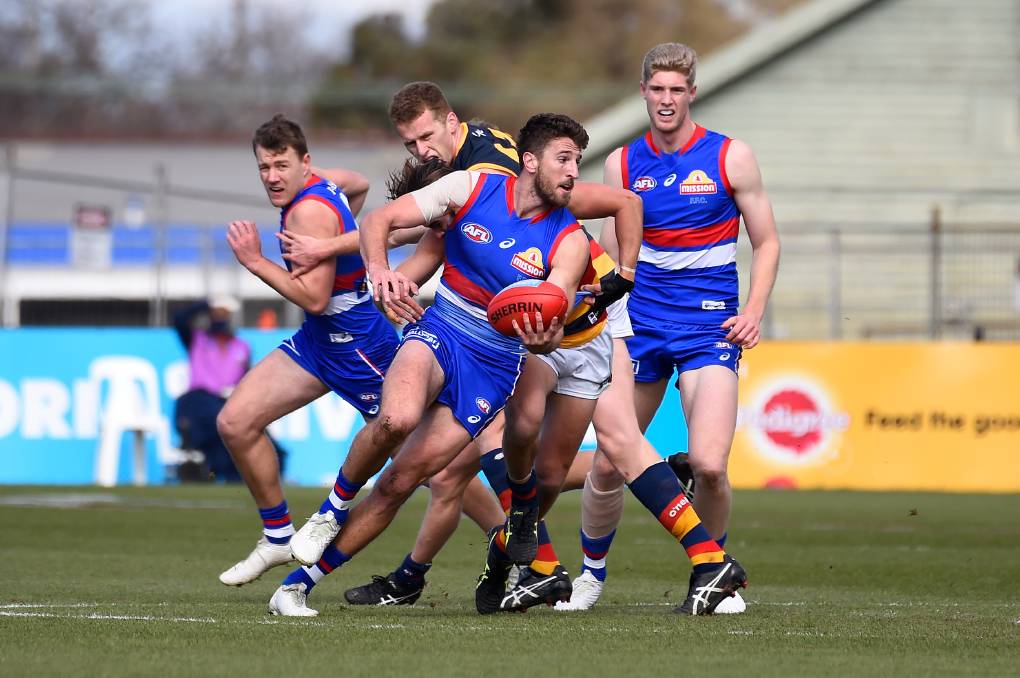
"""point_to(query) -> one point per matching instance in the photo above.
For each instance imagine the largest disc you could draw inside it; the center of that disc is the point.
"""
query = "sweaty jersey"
(687, 271)
(486, 149)
(488, 247)
(350, 314)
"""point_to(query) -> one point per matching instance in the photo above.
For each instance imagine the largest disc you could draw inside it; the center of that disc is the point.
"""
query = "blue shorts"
(659, 347)
(479, 377)
(355, 372)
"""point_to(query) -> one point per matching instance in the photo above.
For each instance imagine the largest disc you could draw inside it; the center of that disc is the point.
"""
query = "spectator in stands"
(217, 359)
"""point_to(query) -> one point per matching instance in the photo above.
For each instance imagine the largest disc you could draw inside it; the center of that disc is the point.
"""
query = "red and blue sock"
(340, 497)
(660, 492)
(595, 551)
(276, 524)
(331, 559)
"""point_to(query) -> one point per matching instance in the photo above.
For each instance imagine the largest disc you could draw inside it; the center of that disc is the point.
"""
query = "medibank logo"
(792, 420)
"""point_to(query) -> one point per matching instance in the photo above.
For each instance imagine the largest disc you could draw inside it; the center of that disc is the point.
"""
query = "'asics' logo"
(518, 594)
(702, 593)
(393, 600)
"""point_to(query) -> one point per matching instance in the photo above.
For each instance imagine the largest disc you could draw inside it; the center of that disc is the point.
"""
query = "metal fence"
(868, 281)
(836, 281)
(165, 242)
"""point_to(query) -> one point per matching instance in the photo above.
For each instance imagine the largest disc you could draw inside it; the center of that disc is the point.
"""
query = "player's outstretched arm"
(625, 237)
(305, 252)
(417, 268)
(750, 196)
(566, 268)
(612, 176)
(425, 206)
(426, 258)
(392, 289)
(312, 291)
(354, 185)
(594, 201)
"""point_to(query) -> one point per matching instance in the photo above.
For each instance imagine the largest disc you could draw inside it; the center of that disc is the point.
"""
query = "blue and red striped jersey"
(350, 309)
(489, 247)
(687, 270)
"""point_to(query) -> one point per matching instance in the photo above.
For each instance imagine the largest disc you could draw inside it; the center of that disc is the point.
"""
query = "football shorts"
(355, 372)
(585, 371)
(659, 347)
(478, 378)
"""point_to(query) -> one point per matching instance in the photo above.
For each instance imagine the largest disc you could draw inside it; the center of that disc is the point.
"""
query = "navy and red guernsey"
(350, 310)
(687, 270)
(489, 247)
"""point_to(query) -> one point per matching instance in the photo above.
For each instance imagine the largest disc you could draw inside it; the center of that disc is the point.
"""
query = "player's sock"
(524, 493)
(721, 541)
(332, 558)
(340, 497)
(601, 511)
(500, 540)
(411, 573)
(276, 524)
(595, 551)
(660, 492)
(494, 470)
(546, 560)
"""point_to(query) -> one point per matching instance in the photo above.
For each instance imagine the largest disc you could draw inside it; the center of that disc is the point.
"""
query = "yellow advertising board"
(879, 416)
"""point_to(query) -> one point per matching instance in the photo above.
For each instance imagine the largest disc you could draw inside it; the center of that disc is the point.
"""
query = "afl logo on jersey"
(476, 232)
(483, 405)
(643, 184)
(529, 262)
(697, 183)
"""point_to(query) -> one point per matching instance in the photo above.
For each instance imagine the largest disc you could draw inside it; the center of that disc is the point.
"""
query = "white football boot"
(291, 601)
(587, 590)
(265, 557)
(313, 538)
(733, 605)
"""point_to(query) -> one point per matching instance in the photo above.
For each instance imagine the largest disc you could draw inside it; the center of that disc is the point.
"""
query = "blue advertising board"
(59, 388)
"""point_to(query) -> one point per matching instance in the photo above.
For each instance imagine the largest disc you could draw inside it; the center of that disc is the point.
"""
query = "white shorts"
(585, 371)
(619, 320)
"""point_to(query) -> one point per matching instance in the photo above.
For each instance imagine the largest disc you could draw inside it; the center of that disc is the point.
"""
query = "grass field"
(123, 582)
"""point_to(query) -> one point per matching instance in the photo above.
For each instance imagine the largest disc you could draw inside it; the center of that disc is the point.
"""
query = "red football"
(526, 297)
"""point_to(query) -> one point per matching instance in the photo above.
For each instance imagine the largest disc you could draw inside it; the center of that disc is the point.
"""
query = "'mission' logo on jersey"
(529, 262)
(697, 183)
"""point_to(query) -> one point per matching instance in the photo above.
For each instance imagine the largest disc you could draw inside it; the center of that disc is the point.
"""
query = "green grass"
(841, 583)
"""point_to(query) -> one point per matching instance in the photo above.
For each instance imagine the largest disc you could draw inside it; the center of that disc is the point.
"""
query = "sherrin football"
(526, 297)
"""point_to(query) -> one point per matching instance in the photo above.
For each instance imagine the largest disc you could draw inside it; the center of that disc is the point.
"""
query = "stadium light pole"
(7, 215)
(157, 314)
(935, 318)
(835, 285)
